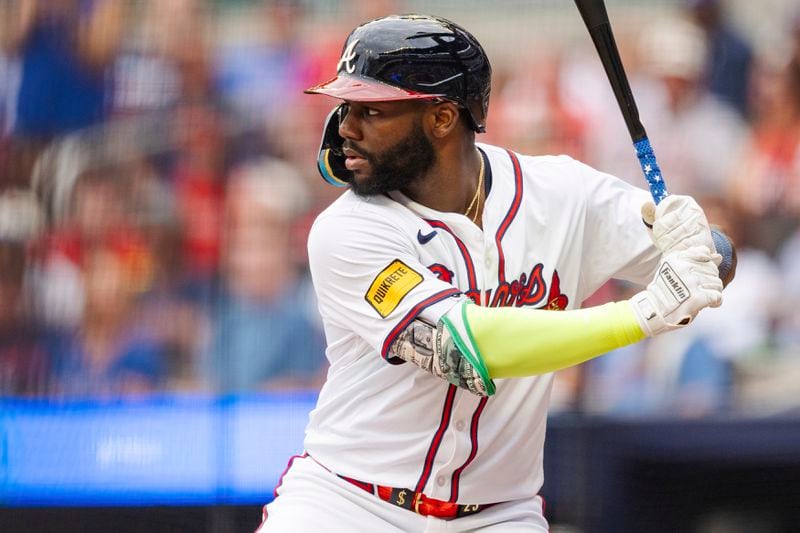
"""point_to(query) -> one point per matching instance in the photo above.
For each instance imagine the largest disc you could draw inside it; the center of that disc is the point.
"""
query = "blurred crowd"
(157, 183)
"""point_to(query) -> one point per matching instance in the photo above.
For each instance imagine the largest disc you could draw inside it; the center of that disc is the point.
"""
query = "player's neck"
(450, 185)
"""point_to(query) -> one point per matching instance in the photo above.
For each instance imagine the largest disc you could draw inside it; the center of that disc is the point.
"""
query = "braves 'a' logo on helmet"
(348, 56)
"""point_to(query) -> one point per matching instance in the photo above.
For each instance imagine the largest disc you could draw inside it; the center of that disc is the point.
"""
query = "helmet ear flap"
(331, 158)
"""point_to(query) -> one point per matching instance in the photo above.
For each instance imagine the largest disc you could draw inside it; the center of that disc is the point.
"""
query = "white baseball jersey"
(554, 230)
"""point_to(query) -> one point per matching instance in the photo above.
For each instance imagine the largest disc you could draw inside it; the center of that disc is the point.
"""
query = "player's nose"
(348, 124)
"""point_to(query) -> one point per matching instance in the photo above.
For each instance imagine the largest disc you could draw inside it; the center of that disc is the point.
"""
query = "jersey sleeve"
(369, 279)
(616, 241)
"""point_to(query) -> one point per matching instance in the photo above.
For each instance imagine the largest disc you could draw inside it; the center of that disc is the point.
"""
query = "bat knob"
(725, 247)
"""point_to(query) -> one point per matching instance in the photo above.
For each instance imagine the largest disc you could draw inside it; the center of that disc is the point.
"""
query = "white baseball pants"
(311, 499)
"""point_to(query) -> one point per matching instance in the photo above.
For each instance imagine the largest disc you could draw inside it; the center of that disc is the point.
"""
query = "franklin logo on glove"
(677, 287)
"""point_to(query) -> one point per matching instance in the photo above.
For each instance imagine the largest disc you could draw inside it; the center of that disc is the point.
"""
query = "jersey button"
(460, 425)
(440, 481)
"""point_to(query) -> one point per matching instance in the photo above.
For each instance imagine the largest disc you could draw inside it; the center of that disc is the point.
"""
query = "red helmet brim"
(366, 90)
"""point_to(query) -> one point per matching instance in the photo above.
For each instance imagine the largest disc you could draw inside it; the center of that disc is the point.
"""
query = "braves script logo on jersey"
(390, 286)
(442, 272)
(348, 56)
(527, 290)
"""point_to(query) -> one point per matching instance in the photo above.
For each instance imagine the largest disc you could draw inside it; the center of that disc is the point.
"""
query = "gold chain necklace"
(477, 192)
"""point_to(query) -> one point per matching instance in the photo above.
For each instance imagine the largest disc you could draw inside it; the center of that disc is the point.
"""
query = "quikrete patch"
(391, 285)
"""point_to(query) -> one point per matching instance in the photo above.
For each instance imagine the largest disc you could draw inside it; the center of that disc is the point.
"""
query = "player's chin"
(363, 183)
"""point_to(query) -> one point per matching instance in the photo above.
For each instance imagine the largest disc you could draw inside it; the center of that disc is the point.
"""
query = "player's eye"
(371, 112)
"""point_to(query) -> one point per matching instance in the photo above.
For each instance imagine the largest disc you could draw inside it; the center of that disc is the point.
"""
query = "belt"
(415, 501)
(418, 502)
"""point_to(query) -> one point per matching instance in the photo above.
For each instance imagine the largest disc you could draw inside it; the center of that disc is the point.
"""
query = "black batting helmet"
(404, 57)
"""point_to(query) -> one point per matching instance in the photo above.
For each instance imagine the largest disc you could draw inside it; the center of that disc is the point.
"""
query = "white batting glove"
(679, 223)
(686, 282)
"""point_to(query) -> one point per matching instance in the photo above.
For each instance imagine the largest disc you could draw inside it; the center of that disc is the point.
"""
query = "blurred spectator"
(788, 320)
(151, 202)
(97, 216)
(9, 85)
(23, 362)
(758, 279)
(153, 197)
(166, 309)
(766, 185)
(147, 73)
(260, 77)
(65, 47)
(794, 36)
(21, 217)
(88, 276)
(111, 353)
(650, 380)
(531, 114)
(729, 58)
(10, 70)
(198, 184)
(767, 380)
(696, 137)
(585, 93)
(262, 336)
(180, 31)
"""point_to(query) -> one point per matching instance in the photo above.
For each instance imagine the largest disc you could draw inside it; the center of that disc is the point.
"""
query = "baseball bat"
(595, 17)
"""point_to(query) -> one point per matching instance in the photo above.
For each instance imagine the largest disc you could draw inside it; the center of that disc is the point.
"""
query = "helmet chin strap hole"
(330, 161)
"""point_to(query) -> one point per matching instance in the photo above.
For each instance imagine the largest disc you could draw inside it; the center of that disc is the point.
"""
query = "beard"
(398, 166)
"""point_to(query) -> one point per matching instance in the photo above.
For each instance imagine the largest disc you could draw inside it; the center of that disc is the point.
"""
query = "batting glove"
(678, 223)
(686, 282)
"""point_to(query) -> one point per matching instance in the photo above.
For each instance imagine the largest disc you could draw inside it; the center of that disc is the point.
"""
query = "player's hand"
(678, 223)
(686, 282)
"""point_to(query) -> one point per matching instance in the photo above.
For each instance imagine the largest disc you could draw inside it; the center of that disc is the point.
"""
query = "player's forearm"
(518, 342)
(471, 345)
(514, 342)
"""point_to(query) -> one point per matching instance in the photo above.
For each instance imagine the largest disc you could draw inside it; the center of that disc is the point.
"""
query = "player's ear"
(443, 119)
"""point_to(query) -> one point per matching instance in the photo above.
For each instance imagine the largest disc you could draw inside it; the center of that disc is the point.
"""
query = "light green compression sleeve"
(518, 342)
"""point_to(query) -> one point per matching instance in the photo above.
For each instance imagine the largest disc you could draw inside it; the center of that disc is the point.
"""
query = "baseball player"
(439, 274)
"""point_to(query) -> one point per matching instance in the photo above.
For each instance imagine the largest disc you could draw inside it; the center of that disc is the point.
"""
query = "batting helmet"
(404, 57)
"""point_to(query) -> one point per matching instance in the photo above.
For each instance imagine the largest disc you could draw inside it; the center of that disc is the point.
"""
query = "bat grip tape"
(652, 173)
(650, 168)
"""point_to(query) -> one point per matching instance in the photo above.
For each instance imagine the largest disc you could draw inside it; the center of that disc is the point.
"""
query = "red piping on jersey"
(369, 487)
(471, 277)
(264, 514)
(472, 280)
(438, 297)
(512, 212)
(437, 438)
(473, 434)
(288, 466)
